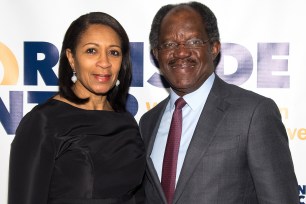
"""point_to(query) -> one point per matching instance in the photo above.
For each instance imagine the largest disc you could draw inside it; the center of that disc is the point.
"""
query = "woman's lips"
(102, 77)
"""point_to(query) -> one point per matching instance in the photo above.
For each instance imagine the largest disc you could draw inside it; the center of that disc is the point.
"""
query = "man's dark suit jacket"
(238, 154)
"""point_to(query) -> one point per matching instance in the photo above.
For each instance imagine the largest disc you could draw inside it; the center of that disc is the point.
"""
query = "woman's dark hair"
(208, 18)
(118, 95)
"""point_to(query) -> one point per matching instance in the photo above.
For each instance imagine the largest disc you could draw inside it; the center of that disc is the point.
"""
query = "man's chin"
(182, 89)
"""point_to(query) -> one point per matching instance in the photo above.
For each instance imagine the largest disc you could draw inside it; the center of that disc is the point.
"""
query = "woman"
(81, 146)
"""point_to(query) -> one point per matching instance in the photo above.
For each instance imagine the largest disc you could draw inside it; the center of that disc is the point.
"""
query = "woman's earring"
(117, 82)
(74, 77)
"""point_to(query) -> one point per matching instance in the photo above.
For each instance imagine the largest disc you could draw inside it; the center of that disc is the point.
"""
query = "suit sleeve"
(269, 157)
(31, 162)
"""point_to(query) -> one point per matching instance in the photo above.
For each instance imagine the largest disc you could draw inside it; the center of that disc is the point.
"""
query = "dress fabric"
(62, 155)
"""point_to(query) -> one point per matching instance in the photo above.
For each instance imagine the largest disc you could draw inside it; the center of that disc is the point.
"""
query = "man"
(233, 147)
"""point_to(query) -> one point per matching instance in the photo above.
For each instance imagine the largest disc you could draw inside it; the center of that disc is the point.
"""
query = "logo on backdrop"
(272, 65)
(41, 57)
(302, 191)
(10, 66)
(294, 133)
(39, 60)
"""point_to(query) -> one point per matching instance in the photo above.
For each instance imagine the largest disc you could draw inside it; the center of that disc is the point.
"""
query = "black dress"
(65, 155)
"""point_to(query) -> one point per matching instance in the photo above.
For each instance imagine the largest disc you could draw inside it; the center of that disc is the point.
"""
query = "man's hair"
(208, 18)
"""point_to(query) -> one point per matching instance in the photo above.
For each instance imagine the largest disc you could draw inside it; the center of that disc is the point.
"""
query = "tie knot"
(180, 103)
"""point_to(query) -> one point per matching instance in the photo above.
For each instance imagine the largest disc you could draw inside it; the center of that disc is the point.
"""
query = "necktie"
(171, 151)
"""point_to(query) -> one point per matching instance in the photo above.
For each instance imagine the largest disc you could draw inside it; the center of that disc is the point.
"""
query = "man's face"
(185, 55)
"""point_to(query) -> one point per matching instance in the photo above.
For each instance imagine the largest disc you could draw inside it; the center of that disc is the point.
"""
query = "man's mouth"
(188, 63)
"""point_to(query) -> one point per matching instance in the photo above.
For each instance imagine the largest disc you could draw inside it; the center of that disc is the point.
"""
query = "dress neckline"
(77, 108)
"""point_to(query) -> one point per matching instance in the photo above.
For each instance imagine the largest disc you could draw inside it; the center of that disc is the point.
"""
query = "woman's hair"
(116, 96)
(208, 18)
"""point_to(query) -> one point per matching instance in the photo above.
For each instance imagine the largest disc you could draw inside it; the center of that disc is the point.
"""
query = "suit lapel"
(211, 116)
(150, 166)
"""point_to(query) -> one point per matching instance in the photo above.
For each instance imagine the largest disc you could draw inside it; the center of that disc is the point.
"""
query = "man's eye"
(170, 45)
(195, 42)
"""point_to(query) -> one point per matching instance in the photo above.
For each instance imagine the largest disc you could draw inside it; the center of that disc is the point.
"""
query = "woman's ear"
(70, 58)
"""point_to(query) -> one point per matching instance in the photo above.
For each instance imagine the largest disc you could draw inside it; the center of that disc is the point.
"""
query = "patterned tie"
(171, 152)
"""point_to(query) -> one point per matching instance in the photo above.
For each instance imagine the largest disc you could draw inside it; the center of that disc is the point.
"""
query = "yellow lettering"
(299, 132)
(302, 134)
(148, 105)
(284, 112)
(291, 134)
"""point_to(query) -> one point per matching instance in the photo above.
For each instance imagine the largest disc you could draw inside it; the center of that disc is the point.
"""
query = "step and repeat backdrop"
(263, 50)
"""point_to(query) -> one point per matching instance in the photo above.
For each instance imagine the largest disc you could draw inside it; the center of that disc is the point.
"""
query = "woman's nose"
(103, 61)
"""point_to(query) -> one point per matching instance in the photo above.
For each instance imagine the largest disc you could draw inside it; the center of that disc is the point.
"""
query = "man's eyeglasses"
(189, 44)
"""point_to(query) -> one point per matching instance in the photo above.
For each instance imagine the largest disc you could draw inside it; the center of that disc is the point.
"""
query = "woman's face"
(97, 61)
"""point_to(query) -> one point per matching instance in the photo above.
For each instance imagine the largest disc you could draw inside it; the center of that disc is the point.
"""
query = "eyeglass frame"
(175, 45)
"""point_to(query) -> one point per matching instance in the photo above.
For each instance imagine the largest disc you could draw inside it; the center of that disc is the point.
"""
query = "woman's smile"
(102, 77)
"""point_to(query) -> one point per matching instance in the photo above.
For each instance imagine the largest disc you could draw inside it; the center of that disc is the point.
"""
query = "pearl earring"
(74, 77)
(117, 82)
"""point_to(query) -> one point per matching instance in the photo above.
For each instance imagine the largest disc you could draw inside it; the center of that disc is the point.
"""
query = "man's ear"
(215, 49)
(155, 53)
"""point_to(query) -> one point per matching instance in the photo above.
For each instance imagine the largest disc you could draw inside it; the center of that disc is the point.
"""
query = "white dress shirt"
(191, 113)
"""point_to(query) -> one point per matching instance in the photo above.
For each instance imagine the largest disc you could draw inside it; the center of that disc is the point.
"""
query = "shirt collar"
(192, 99)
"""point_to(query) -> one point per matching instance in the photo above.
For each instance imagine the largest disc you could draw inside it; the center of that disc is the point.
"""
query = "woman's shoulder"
(41, 112)
(42, 108)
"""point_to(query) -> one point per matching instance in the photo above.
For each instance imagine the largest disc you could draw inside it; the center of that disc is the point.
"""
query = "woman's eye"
(91, 51)
(114, 53)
